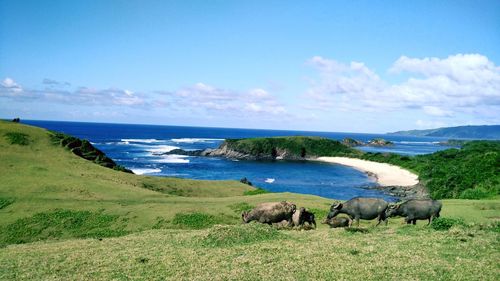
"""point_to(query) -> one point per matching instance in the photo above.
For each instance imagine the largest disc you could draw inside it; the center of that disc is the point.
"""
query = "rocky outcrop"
(86, 150)
(418, 191)
(224, 150)
(379, 142)
(352, 142)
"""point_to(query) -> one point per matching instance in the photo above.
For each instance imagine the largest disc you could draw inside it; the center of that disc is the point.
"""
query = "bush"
(446, 223)
(239, 208)
(256, 191)
(195, 220)
(228, 235)
(4, 202)
(476, 193)
(17, 138)
(59, 224)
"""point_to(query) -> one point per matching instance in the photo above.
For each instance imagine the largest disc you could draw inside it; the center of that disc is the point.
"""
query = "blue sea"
(137, 147)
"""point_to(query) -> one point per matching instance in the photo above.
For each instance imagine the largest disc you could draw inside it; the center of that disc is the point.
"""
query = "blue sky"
(357, 66)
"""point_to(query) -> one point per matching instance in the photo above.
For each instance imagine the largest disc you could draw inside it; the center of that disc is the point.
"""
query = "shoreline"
(384, 174)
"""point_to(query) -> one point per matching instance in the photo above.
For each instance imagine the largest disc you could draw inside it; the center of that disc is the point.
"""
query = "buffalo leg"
(430, 220)
(414, 221)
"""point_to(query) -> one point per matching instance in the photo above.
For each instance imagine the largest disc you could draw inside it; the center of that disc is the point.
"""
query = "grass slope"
(259, 252)
(40, 181)
(168, 228)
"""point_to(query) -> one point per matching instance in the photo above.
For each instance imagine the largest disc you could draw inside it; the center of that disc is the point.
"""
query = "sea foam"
(145, 171)
(195, 140)
(142, 140)
(159, 149)
(173, 158)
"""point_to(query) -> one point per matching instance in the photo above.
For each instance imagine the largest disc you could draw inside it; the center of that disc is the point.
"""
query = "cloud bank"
(458, 84)
(430, 92)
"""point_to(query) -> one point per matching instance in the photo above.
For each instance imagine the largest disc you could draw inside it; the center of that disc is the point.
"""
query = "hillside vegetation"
(299, 146)
(472, 172)
(470, 132)
(66, 218)
(48, 192)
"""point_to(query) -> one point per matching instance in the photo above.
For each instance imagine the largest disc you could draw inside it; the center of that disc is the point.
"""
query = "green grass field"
(66, 218)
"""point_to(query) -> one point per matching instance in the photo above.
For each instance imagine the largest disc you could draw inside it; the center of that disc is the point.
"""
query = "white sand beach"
(387, 175)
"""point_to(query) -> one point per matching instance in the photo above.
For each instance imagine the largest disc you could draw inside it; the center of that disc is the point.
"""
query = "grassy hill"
(66, 218)
(299, 146)
(40, 177)
(470, 132)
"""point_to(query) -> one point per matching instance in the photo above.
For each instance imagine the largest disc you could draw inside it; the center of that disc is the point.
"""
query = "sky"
(345, 66)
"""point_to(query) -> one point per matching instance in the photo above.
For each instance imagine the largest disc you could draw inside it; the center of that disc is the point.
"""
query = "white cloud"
(436, 111)
(459, 84)
(80, 96)
(202, 96)
(8, 85)
(199, 98)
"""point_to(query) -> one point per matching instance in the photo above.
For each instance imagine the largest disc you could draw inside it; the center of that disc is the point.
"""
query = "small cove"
(139, 148)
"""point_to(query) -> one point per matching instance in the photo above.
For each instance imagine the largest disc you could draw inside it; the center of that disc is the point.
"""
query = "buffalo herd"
(286, 213)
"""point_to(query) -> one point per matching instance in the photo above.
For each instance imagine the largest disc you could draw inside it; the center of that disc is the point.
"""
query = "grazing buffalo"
(337, 222)
(271, 212)
(416, 209)
(361, 208)
(301, 216)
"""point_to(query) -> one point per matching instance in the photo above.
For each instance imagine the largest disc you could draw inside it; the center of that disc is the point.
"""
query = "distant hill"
(469, 132)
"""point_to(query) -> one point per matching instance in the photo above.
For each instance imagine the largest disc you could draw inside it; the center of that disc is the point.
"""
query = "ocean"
(137, 147)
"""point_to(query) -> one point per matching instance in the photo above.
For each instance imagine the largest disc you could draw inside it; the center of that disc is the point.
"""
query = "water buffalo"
(361, 208)
(416, 209)
(301, 216)
(271, 212)
(337, 222)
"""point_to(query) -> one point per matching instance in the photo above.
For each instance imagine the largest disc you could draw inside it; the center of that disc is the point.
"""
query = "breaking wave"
(145, 171)
(142, 140)
(195, 140)
(173, 158)
(159, 149)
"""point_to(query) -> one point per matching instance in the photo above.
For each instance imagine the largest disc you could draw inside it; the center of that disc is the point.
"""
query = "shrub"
(256, 191)
(59, 224)
(17, 138)
(195, 220)
(228, 235)
(445, 223)
(476, 193)
(4, 202)
(239, 208)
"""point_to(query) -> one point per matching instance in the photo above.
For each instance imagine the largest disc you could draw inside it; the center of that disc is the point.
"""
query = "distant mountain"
(469, 132)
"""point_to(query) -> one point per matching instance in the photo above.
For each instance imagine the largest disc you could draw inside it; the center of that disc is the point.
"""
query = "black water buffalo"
(361, 208)
(302, 216)
(337, 222)
(271, 212)
(416, 209)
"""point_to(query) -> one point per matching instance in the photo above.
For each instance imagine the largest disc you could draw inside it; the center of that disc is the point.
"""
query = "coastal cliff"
(277, 148)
